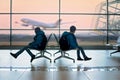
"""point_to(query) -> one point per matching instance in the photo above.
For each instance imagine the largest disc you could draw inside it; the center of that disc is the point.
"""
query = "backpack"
(64, 44)
(44, 42)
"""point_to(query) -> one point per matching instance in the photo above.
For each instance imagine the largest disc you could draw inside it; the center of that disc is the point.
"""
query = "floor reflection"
(104, 62)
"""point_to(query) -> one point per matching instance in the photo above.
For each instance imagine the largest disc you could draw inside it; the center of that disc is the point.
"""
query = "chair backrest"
(56, 39)
(43, 43)
(118, 40)
(48, 38)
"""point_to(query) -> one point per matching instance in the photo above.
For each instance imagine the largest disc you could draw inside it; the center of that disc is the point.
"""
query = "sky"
(52, 6)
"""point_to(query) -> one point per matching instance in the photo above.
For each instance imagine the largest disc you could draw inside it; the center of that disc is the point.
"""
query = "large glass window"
(4, 6)
(17, 20)
(97, 22)
(81, 6)
(36, 6)
(4, 38)
(4, 21)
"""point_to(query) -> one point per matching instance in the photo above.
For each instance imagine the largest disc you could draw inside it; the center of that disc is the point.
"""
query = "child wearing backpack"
(38, 43)
(72, 43)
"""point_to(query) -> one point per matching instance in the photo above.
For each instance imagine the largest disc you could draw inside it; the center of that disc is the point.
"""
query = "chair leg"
(42, 55)
(67, 54)
(47, 58)
(114, 52)
(38, 57)
(48, 53)
(57, 58)
(63, 55)
(56, 52)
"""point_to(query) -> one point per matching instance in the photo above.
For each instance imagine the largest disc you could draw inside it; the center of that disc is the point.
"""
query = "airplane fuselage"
(36, 23)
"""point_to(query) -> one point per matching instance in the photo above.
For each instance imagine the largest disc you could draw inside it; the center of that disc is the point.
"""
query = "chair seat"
(43, 50)
(63, 52)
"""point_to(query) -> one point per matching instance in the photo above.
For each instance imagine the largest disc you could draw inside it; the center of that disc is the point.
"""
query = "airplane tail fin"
(58, 21)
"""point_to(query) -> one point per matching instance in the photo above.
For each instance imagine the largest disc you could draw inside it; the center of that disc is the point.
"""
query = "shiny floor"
(101, 67)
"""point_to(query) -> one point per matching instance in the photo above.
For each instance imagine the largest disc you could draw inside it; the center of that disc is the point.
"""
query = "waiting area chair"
(63, 52)
(42, 52)
(117, 46)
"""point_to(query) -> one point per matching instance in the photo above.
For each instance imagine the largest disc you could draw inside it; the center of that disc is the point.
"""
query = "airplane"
(29, 22)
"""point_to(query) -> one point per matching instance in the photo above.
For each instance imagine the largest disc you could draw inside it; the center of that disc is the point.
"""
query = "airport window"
(80, 6)
(97, 23)
(4, 21)
(5, 6)
(37, 6)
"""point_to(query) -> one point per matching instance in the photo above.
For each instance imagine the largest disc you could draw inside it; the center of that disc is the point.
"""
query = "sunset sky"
(46, 6)
(81, 13)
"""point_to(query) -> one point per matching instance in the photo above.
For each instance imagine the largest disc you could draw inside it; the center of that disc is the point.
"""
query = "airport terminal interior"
(97, 32)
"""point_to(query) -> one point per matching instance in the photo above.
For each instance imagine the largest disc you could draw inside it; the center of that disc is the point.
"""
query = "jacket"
(36, 43)
(71, 40)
